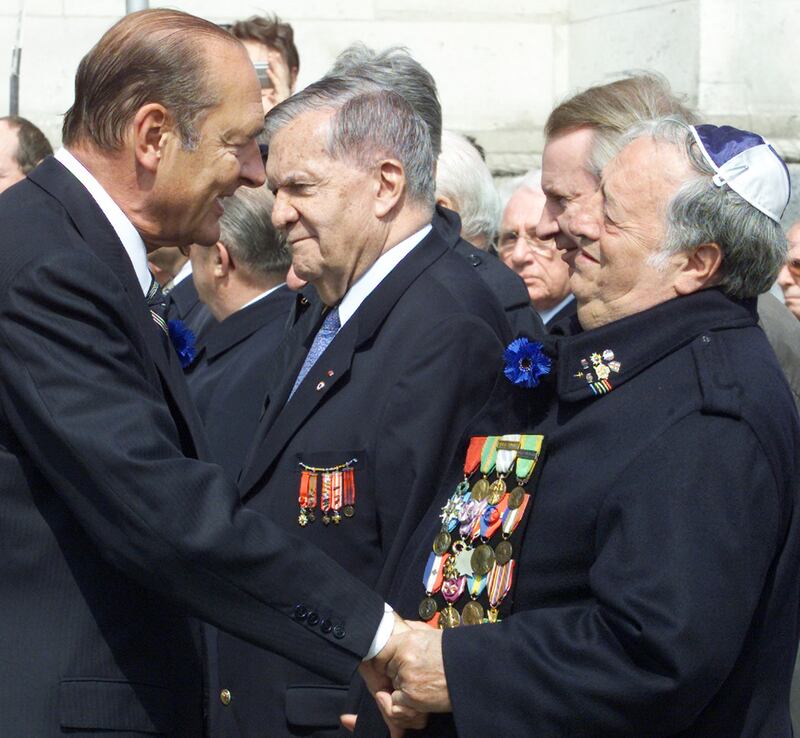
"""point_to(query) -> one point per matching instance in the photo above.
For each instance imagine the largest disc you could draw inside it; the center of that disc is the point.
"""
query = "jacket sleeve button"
(338, 631)
(326, 626)
(300, 613)
(313, 619)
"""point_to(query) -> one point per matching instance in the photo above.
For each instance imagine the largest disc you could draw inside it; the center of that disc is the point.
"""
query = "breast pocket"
(332, 486)
(96, 705)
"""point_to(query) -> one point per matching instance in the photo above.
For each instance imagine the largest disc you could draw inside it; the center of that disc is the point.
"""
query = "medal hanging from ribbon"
(480, 489)
(432, 581)
(335, 488)
(498, 585)
(507, 448)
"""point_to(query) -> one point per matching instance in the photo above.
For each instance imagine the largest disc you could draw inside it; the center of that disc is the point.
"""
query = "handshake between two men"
(407, 677)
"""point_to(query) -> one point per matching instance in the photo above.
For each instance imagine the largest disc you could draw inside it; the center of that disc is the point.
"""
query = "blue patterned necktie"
(329, 328)
(158, 305)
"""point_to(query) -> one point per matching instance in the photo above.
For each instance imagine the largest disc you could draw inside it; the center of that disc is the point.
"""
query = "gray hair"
(246, 230)
(365, 127)
(396, 70)
(463, 177)
(753, 245)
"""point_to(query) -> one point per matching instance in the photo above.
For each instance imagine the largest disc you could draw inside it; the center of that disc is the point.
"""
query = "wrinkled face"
(537, 262)
(789, 276)
(620, 231)
(568, 185)
(187, 199)
(325, 206)
(10, 173)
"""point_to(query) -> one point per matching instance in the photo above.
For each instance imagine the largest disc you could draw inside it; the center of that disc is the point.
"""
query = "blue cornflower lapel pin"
(183, 340)
(525, 362)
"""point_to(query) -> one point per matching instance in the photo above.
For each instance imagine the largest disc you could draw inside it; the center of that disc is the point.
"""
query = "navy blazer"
(657, 578)
(183, 303)
(111, 535)
(228, 379)
(395, 390)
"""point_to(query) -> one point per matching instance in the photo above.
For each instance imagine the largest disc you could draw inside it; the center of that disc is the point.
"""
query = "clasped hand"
(407, 677)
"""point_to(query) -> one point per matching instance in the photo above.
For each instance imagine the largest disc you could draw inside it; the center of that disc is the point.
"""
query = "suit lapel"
(282, 419)
(101, 238)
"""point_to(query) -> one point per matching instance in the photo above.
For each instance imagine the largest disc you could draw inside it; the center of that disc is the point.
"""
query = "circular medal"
(348, 511)
(472, 614)
(496, 491)
(480, 489)
(441, 543)
(482, 560)
(503, 552)
(449, 618)
(515, 498)
(427, 608)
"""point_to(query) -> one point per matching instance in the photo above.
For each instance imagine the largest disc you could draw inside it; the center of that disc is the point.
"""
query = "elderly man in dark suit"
(380, 377)
(241, 278)
(112, 533)
(643, 580)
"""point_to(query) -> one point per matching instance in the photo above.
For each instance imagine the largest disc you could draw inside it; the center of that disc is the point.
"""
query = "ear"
(151, 129)
(391, 186)
(445, 202)
(221, 259)
(700, 269)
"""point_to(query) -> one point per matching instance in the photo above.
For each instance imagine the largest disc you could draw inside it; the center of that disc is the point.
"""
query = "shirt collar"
(127, 234)
(370, 279)
(261, 296)
(545, 315)
(183, 272)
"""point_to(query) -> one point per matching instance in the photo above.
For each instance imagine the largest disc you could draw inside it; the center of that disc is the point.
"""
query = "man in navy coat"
(112, 533)
(356, 434)
(241, 278)
(650, 584)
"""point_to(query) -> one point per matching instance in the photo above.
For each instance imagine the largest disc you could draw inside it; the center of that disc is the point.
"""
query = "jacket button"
(338, 631)
(326, 626)
(303, 300)
(474, 259)
(225, 697)
(313, 619)
(300, 612)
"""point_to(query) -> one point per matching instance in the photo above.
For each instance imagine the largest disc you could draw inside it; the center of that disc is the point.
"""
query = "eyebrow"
(287, 181)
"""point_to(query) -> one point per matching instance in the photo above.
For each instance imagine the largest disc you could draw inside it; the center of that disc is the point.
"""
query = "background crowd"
(341, 338)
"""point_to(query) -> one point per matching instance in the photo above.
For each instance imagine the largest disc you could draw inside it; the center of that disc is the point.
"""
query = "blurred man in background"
(22, 147)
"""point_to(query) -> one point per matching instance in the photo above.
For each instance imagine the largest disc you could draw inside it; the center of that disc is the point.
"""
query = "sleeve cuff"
(383, 633)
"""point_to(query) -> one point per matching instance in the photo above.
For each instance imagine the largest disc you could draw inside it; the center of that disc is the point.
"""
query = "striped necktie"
(158, 305)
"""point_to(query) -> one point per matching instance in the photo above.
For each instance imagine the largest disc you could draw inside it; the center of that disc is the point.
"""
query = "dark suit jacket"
(228, 378)
(656, 582)
(110, 534)
(396, 390)
(183, 303)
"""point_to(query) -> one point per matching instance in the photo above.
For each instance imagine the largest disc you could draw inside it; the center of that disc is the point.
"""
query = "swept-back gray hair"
(365, 127)
(246, 230)
(753, 245)
(463, 177)
(396, 70)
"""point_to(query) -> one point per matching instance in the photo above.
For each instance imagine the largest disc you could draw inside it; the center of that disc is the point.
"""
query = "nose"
(253, 173)
(587, 219)
(521, 254)
(784, 278)
(283, 214)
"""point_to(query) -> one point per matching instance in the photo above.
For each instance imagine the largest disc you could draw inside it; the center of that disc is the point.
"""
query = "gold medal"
(480, 489)
(482, 560)
(427, 608)
(516, 497)
(336, 517)
(472, 614)
(349, 511)
(441, 543)
(326, 519)
(503, 552)
(492, 614)
(302, 518)
(449, 618)
(496, 491)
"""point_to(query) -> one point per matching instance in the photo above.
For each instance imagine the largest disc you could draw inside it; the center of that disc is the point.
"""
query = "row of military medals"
(463, 560)
(334, 487)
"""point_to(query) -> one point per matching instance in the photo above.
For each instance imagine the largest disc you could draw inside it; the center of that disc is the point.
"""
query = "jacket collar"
(282, 419)
(101, 238)
(593, 363)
